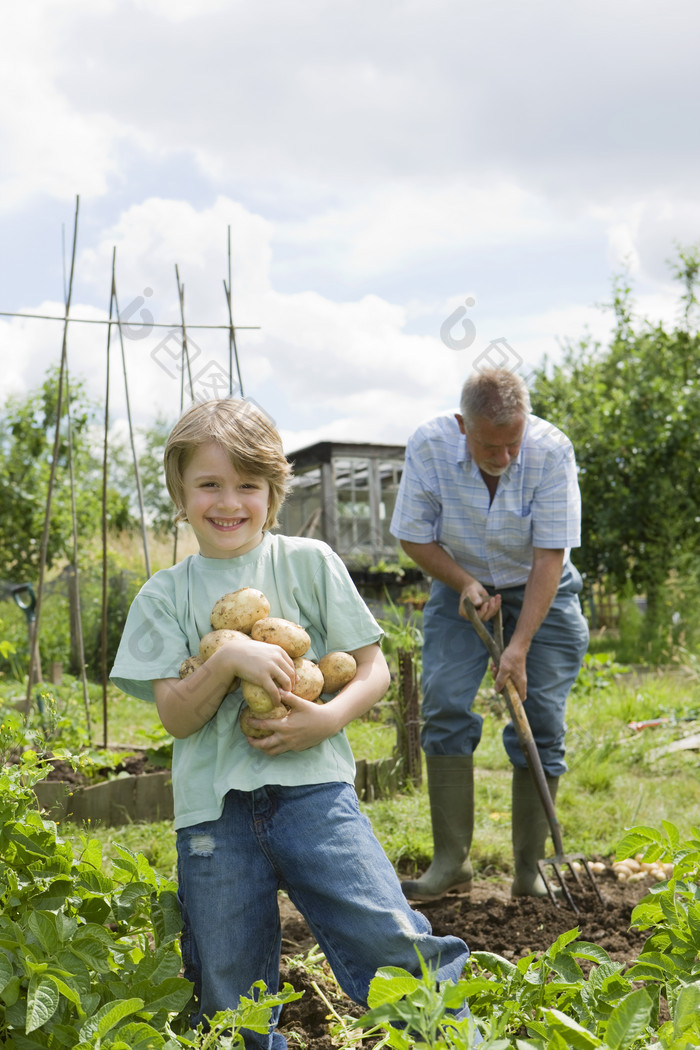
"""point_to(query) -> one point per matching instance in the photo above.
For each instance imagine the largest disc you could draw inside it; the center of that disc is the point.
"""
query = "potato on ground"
(337, 669)
(309, 683)
(257, 732)
(289, 636)
(239, 610)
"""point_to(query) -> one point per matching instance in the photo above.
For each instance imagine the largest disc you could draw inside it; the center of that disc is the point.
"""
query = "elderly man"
(489, 507)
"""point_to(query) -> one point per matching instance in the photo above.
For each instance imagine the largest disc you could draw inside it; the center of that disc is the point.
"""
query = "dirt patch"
(134, 765)
(488, 920)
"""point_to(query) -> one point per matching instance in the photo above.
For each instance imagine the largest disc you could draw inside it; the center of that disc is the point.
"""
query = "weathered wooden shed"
(344, 493)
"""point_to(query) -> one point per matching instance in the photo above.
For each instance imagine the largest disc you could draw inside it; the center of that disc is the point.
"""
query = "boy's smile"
(227, 510)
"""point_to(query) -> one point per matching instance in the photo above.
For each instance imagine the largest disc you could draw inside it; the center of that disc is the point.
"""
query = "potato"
(280, 711)
(337, 669)
(309, 684)
(190, 665)
(289, 636)
(258, 699)
(214, 640)
(239, 610)
(637, 876)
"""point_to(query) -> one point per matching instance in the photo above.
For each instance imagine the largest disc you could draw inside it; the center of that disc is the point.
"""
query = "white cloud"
(48, 145)
(377, 164)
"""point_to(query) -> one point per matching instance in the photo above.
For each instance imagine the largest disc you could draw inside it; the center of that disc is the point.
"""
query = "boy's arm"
(186, 704)
(309, 723)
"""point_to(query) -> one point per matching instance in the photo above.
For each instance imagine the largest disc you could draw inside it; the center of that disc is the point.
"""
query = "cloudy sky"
(409, 185)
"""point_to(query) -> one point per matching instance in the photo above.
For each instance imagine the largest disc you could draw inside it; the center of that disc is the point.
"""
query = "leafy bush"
(90, 961)
(83, 956)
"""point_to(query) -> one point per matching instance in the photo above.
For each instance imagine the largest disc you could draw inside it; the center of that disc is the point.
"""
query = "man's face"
(493, 446)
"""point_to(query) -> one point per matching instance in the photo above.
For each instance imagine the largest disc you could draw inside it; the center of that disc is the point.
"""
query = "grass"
(618, 776)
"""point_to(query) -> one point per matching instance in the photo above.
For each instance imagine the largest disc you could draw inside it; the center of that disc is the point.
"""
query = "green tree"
(27, 431)
(632, 410)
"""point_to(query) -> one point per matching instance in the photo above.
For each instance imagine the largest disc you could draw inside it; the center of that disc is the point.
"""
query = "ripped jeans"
(313, 842)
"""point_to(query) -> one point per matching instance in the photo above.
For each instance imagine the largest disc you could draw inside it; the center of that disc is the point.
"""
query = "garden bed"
(488, 920)
(136, 791)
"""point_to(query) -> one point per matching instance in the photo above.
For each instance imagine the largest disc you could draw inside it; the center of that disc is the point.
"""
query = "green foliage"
(403, 630)
(632, 411)
(424, 1012)
(91, 961)
(598, 671)
(85, 959)
(671, 955)
(150, 442)
(122, 586)
(27, 432)
(544, 1001)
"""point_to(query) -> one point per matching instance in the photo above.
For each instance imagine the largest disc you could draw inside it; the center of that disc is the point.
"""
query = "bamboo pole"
(76, 569)
(232, 348)
(185, 348)
(34, 640)
(132, 323)
(137, 472)
(103, 624)
(185, 363)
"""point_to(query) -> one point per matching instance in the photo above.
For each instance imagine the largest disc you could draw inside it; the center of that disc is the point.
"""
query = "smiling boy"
(253, 816)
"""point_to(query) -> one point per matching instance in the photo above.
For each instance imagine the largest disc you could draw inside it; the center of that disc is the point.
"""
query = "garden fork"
(495, 645)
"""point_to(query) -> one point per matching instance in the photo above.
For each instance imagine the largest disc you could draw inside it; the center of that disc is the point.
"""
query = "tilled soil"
(488, 920)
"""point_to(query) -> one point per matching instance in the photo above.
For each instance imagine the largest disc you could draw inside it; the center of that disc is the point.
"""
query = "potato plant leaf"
(42, 1002)
(108, 1016)
(139, 1036)
(6, 971)
(390, 984)
(629, 1020)
(686, 1016)
(568, 1032)
(171, 995)
(166, 917)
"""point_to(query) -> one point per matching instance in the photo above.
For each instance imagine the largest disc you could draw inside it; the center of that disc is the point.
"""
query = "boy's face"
(227, 511)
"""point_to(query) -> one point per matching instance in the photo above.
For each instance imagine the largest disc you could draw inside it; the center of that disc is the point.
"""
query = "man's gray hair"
(496, 394)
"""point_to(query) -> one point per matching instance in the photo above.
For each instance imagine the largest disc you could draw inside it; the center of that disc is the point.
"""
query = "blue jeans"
(455, 660)
(313, 842)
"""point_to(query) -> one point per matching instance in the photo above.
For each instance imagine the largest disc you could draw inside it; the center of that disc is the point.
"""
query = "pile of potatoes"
(247, 611)
(634, 869)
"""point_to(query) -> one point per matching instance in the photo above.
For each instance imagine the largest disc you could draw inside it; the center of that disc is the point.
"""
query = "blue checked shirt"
(442, 497)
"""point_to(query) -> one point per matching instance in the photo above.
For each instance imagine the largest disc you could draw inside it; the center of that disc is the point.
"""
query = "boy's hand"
(306, 725)
(263, 664)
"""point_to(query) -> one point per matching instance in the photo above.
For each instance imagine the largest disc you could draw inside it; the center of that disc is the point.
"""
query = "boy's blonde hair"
(244, 432)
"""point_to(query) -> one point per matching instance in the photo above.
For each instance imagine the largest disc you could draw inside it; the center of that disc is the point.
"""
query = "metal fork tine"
(556, 863)
(542, 867)
(591, 878)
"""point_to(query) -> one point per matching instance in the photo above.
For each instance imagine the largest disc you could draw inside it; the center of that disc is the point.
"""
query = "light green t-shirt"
(305, 582)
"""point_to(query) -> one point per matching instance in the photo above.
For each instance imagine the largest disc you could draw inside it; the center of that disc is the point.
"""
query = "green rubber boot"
(530, 831)
(451, 791)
